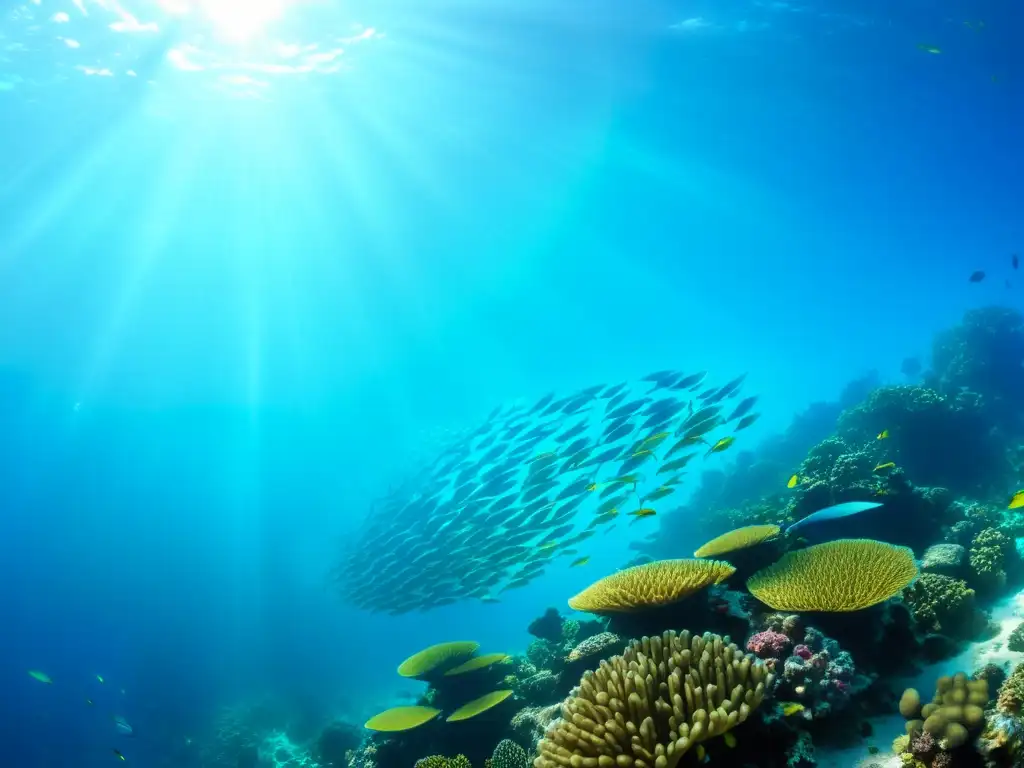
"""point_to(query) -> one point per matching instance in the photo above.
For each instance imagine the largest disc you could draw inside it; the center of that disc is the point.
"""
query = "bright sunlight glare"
(241, 20)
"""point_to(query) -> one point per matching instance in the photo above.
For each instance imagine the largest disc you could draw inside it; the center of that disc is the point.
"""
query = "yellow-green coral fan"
(843, 575)
(430, 659)
(401, 718)
(660, 698)
(476, 706)
(652, 584)
(740, 538)
(478, 662)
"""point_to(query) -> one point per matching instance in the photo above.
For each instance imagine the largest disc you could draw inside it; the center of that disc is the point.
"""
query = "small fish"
(883, 434)
(887, 465)
(42, 677)
(581, 561)
(790, 708)
(643, 512)
(834, 512)
(118, 753)
(122, 726)
(976, 277)
(659, 493)
(747, 420)
(721, 445)
(1017, 502)
(672, 466)
(793, 481)
(99, 678)
(89, 702)
(929, 48)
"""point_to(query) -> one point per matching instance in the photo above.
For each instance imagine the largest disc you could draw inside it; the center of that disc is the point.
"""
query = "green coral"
(989, 554)
(1016, 640)
(437, 761)
(1011, 694)
(508, 754)
(942, 604)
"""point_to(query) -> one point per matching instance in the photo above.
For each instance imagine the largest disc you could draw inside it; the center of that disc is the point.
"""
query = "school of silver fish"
(532, 484)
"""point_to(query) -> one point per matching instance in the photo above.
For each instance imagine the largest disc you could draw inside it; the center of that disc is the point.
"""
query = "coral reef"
(945, 605)
(937, 731)
(656, 584)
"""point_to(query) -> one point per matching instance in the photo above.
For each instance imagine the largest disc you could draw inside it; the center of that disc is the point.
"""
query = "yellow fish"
(593, 487)
(1017, 502)
(721, 445)
(887, 465)
(790, 708)
(643, 512)
(42, 677)
(883, 434)
(793, 480)
(626, 479)
(582, 561)
(547, 545)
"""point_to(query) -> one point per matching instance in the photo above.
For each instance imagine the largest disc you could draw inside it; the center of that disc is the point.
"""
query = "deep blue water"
(240, 291)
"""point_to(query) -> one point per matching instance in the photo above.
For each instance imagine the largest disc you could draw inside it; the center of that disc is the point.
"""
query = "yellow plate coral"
(839, 576)
(440, 655)
(652, 584)
(740, 538)
(478, 662)
(401, 718)
(476, 706)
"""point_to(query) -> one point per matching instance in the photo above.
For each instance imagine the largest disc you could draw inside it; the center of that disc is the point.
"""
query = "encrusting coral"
(648, 707)
(943, 604)
(843, 575)
(659, 583)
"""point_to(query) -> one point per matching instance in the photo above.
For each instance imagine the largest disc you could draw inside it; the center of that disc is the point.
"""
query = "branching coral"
(651, 705)
(437, 761)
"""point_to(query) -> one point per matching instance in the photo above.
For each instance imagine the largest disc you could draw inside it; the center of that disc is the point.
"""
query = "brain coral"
(740, 538)
(659, 583)
(842, 575)
(648, 707)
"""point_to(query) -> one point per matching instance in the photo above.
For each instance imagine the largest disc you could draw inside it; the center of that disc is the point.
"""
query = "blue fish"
(122, 727)
(834, 513)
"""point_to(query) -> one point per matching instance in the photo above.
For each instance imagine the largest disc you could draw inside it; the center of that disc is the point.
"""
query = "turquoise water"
(256, 258)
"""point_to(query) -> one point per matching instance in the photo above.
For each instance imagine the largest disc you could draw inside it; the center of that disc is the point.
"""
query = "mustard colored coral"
(478, 705)
(652, 584)
(740, 538)
(401, 718)
(651, 705)
(436, 657)
(839, 576)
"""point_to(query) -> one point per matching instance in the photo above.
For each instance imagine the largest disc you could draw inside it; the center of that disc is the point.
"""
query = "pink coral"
(803, 652)
(768, 644)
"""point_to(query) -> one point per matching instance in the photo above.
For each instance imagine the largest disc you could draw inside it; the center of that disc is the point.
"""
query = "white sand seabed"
(1007, 614)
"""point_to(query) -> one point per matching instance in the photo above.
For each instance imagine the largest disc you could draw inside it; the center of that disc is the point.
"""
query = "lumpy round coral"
(843, 575)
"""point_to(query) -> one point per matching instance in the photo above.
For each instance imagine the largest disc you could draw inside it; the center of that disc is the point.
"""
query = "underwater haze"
(283, 284)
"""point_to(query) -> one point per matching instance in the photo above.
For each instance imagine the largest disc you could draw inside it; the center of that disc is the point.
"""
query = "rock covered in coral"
(438, 761)
(335, 742)
(993, 556)
(547, 627)
(769, 644)
(530, 723)
(945, 605)
(944, 559)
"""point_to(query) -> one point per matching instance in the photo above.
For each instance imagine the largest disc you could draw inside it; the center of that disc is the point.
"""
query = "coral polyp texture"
(740, 538)
(839, 576)
(651, 705)
(654, 584)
